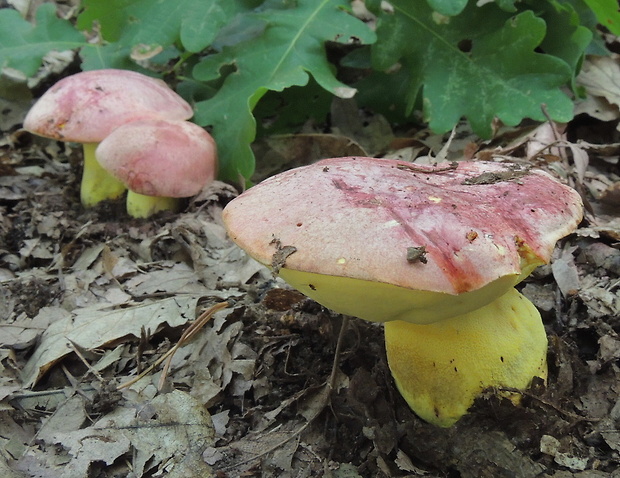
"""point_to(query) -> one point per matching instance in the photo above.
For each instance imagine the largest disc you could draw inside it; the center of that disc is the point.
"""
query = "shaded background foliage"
(447, 59)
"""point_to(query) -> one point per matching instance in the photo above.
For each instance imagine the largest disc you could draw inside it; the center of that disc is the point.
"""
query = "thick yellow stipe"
(97, 184)
(441, 368)
(141, 206)
(380, 302)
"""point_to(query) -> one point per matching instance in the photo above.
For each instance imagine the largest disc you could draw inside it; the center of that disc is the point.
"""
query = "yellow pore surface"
(381, 302)
(441, 368)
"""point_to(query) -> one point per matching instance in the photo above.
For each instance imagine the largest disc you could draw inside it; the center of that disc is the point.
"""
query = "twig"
(42, 393)
(189, 333)
(554, 130)
(85, 362)
(420, 169)
(334, 372)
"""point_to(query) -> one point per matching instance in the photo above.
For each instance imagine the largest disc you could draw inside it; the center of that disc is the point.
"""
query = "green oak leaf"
(279, 111)
(566, 38)
(23, 44)
(112, 55)
(491, 71)
(607, 13)
(507, 5)
(289, 47)
(448, 7)
(193, 23)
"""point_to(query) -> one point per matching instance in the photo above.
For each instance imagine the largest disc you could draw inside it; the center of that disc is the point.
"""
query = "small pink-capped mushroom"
(88, 106)
(158, 161)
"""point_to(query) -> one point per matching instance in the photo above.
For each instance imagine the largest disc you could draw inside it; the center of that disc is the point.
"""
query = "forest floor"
(91, 298)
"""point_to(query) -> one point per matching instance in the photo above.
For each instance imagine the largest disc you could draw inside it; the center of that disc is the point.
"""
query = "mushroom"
(436, 249)
(158, 161)
(88, 106)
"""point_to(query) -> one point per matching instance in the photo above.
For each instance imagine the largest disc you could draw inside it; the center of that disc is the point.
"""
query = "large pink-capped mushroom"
(158, 161)
(88, 106)
(432, 251)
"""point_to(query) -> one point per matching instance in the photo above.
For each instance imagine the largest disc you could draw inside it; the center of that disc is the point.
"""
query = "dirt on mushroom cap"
(359, 217)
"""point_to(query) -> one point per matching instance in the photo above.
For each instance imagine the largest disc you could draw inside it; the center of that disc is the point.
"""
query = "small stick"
(332, 376)
(84, 361)
(554, 130)
(419, 169)
(190, 332)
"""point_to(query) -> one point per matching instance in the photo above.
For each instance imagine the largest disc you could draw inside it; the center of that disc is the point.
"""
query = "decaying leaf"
(280, 152)
(611, 195)
(601, 77)
(601, 296)
(169, 433)
(23, 331)
(565, 273)
(552, 446)
(603, 226)
(91, 328)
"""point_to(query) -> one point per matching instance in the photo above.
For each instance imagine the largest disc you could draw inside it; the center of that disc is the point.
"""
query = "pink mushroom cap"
(88, 106)
(160, 157)
(365, 218)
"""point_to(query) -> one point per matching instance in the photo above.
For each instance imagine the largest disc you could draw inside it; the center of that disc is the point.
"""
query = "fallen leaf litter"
(260, 371)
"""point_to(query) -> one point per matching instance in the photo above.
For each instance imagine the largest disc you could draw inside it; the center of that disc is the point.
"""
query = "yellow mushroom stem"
(142, 206)
(441, 368)
(97, 184)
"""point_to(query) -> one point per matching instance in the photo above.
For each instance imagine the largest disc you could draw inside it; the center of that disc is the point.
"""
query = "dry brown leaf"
(601, 296)
(601, 394)
(15, 109)
(493, 454)
(222, 262)
(404, 463)
(609, 429)
(565, 272)
(22, 332)
(173, 278)
(597, 107)
(170, 433)
(551, 446)
(342, 470)
(274, 448)
(280, 152)
(541, 295)
(581, 160)
(371, 131)
(601, 255)
(544, 140)
(13, 441)
(218, 361)
(90, 328)
(7, 472)
(602, 225)
(611, 195)
(69, 416)
(601, 77)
